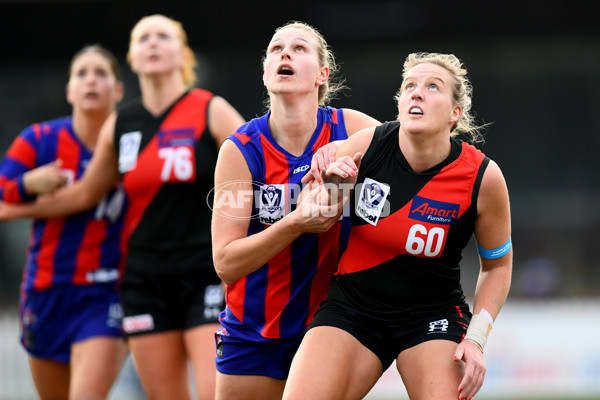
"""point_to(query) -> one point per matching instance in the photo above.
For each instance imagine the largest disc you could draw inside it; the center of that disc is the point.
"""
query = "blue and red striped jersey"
(280, 298)
(81, 249)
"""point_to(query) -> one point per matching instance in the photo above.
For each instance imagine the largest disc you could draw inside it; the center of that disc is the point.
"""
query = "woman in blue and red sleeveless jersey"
(421, 195)
(276, 259)
(163, 148)
(69, 305)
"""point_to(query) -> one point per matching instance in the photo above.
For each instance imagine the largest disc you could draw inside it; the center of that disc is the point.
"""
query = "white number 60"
(420, 241)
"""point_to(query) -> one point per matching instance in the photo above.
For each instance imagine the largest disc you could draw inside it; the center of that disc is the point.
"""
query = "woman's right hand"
(45, 179)
(319, 207)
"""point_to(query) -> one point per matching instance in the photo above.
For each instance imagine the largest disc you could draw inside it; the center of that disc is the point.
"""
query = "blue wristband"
(495, 253)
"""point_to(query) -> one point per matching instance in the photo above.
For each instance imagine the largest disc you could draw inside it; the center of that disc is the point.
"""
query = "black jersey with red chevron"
(167, 166)
(404, 255)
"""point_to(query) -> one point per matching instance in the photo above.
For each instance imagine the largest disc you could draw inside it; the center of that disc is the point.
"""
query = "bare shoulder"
(493, 179)
(493, 193)
(231, 163)
(223, 119)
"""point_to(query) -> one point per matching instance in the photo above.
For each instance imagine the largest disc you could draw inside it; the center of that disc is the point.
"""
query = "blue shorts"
(54, 319)
(241, 350)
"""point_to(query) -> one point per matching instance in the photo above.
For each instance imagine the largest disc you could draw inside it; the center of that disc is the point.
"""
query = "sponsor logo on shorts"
(440, 326)
(115, 315)
(213, 301)
(220, 347)
(138, 323)
(29, 319)
(28, 316)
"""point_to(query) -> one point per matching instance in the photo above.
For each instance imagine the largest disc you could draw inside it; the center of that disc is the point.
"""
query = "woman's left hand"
(321, 161)
(471, 354)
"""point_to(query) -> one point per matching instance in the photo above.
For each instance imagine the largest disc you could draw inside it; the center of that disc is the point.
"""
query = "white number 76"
(177, 160)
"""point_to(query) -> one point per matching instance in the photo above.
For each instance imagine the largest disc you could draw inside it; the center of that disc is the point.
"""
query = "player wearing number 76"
(163, 148)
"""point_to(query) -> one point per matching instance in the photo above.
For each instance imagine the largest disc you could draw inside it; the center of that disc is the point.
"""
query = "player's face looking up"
(92, 84)
(156, 47)
(292, 64)
(425, 103)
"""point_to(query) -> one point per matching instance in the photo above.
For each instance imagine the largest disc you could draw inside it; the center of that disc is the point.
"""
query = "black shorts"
(157, 303)
(388, 337)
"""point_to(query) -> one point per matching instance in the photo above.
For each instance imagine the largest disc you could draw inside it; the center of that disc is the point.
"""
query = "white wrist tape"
(479, 329)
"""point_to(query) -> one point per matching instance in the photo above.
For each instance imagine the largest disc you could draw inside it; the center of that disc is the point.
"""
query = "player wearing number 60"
(163, 148)
(397, 294)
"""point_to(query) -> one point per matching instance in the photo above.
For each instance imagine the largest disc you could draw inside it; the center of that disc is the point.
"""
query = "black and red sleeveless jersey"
(408, 229)
(167, 165)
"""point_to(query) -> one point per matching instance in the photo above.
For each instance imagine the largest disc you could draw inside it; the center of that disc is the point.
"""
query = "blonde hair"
(462, 91)
(335, 83)
(188, 70)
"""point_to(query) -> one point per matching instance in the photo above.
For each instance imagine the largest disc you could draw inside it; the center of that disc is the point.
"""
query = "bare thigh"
(51, 378)
(95, 364)
(429, 371)
(162, 364)
(248, 387)
(200, 345)
(332, 364)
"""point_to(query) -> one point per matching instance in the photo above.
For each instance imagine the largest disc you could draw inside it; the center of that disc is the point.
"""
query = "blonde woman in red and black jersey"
(420, 195)
(163, 148)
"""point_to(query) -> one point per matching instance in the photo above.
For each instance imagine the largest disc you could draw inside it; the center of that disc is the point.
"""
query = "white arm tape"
(479, 329)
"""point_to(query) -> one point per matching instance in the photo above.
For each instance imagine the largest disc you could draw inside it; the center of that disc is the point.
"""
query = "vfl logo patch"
(271, 207)
(129, 147)
(371, 200)
(433, 211)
